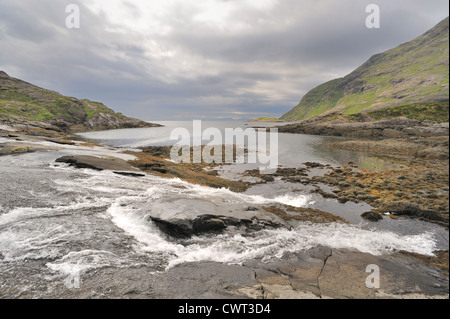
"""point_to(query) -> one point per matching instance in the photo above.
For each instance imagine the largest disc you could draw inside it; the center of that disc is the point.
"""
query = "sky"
(200, 59)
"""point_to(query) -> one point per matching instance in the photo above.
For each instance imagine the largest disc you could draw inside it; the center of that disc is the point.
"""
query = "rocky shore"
(417, 189)
(401, 127)
(418, 185)
(319, 273)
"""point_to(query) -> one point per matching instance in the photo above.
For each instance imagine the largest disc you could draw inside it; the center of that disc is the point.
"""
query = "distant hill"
(24, 103)
(416, 72)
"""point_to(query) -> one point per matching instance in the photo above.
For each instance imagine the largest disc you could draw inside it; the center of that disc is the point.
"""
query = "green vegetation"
(268, 119)
(415, 73)
(21, 102)
(438, 112)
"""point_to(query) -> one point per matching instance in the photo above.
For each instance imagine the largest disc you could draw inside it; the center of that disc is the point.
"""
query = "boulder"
(372, 216)
(183, 218)
(116, 165)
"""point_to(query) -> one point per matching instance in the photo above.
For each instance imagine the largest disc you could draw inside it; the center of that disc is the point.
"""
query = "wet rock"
(388, 128)
(61, 142)
(131, 174)
(190, 172)
(188, 217)
(314, 165)
(183, 228)
(372, 216)
(412, 210)
(317, 273)
(99, 164)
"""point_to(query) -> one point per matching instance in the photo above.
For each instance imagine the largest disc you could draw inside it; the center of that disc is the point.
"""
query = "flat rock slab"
(345, 274)
(116, 165)
(183, 217)
(320, 273)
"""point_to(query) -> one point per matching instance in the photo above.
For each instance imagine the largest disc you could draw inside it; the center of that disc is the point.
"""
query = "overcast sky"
(200, 59)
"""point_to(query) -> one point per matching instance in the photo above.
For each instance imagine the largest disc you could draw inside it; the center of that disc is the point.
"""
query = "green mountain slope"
(24, 103)
(414, 72)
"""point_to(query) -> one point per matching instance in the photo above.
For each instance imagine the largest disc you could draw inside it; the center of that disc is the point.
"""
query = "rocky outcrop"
(188, 217)
(116, 165)
(26, 106)
(199, 225)
(372, 216)
(319, 273)
(390, 128)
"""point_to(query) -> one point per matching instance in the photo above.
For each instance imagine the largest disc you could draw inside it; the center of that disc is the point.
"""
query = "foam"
(266, 244)
(77, 263)
(31, 241)
(198, 191)
(274, 244)
(25, 213)
(80, 150)
(147, 235)
(34, 233)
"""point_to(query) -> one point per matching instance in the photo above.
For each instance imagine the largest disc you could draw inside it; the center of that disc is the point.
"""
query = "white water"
(268, 244)
(36, 233)
(75, 221)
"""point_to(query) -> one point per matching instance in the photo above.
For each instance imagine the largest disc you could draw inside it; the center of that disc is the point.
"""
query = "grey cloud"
(289, 49)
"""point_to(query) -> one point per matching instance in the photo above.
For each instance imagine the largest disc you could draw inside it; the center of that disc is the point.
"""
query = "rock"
(96, 163)
(205, 224)
(412, 210)
(181, 228)
(180, 218)
(131, 174)
(317, 273)
(61, 142)
(372, 216)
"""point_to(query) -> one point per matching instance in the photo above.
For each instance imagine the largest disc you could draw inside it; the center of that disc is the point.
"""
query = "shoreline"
(290, 277)
(353, 184)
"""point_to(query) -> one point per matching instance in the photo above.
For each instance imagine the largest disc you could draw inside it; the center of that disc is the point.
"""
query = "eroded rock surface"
(187, 217)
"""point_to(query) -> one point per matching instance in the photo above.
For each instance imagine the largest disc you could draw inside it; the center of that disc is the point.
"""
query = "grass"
(437, 111)
(22, 102)
(268, 119)
(413, 72)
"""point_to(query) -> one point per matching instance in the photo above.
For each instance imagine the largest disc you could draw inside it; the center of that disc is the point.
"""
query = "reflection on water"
(364, 160)
(294, 149)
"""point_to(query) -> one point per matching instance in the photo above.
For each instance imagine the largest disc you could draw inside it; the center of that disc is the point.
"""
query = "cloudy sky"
(200, 59)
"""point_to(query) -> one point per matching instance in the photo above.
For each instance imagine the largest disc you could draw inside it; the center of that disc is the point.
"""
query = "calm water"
(294, 149)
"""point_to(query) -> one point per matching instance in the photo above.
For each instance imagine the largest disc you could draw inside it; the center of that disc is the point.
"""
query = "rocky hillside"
(415, 72)
(24, 103)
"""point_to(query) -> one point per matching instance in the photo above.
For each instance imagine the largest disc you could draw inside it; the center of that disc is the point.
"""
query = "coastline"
(308, 275)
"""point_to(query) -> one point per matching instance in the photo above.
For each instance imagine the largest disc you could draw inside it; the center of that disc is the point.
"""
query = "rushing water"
(57, 221)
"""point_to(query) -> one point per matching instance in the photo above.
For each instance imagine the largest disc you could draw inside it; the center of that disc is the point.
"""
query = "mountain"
(415, 72)
(24, 103)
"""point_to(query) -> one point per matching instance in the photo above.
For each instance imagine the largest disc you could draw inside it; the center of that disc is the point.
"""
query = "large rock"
(99, 163)
(372, 216)
(182, 217)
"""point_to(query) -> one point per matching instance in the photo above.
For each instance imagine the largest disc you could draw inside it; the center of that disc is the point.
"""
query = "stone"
(119, 166)
(182, 218)
(372, 216)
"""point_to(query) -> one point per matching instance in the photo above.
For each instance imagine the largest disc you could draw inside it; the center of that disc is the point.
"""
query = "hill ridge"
(413, 72)
(22, 103)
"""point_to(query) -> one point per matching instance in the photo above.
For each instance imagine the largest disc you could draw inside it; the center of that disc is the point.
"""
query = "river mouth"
(58, 223)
